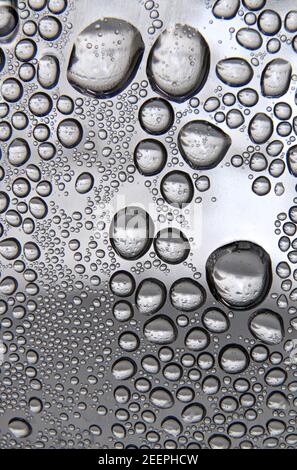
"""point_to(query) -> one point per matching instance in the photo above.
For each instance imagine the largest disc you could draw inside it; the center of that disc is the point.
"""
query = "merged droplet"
(202, 144)
(239, 274)
(267, 326)
(105, 57)
(178, 63)
(131, 232)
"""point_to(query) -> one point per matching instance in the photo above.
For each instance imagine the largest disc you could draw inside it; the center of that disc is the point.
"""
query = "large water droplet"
(267, 326)
(202, 144)
(177, 188)
(131, 232)
(234, 71)
(105, 57)
(160, 330)
(276, 77)
(239, 274)
(178, 63)
(171, 246)
(225, 9)
(187, 295)
(150, 296)
(233, 359)
(19, 428)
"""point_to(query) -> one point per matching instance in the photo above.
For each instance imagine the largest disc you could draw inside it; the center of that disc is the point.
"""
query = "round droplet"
(260, 128)
(171, 246)
(156, 116)
(19, 428)
(70, 133)
(177, 188)
(276, 78)
(233, 359)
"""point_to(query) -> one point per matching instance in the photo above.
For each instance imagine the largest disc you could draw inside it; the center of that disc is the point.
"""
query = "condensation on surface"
(148, 218)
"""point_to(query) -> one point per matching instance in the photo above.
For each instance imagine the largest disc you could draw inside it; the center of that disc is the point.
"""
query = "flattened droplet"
(239, 274)
(202, 144)
(105, 57)
(234, 71)
(260, 128)
(233, 359)
(178, 63)
(131, 232)
(276, 78)
(19, 428)
(160, 330)
(267, 326)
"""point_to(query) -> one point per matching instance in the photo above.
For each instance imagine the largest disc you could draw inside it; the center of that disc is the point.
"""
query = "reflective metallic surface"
(148, 217)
